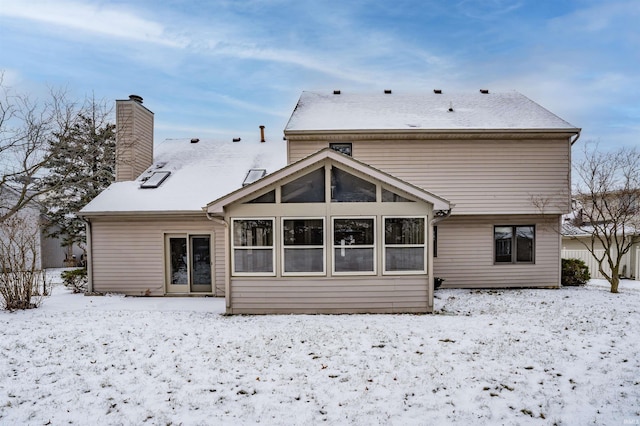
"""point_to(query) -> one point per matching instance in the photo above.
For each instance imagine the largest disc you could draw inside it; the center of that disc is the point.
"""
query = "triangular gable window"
(268, 198)
(392, 197)
(347, 188)
(306, 189)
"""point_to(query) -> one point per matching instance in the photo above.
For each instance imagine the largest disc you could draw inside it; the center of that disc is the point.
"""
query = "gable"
(295, 176)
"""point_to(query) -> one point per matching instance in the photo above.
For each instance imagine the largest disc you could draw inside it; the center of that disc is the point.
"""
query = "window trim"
(424, 245)
(235, 273)
(514, 250)
(374, 246)
(324, 247)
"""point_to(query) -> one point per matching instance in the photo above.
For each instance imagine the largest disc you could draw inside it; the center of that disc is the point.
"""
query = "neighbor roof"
(200, 172)
(320, 111)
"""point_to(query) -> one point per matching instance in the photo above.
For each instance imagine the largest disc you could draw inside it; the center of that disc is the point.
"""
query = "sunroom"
(328, 235)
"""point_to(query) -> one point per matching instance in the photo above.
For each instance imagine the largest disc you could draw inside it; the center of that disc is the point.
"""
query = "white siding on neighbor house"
(129, 256)
(465, 255)
(630, 264)
(479, 176)
(330, 295)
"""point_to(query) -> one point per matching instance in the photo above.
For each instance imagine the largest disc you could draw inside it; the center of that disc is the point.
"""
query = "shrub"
(574, 272)
(75, 279)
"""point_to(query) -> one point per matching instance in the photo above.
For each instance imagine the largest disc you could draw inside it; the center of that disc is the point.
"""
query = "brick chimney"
(134, 138)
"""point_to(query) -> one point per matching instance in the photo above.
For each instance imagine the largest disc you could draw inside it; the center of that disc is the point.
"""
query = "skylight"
(253, 175)
(155, 180)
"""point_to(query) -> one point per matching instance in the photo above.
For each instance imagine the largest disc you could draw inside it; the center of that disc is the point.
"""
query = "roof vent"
(387, 91)
(484, 91)
(237, 139)
(450, 106)
(136, 98)
(336, 92)
(437, 91)
(195, 140)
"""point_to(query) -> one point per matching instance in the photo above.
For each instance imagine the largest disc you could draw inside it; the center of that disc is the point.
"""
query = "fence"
(592, 263)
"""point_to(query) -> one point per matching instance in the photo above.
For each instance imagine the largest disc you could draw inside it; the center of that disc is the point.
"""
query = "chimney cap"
(136, 98)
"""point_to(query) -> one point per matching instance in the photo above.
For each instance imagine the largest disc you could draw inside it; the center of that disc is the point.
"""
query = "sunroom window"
(347, 188)
(354, 246)
(303, 246)
(253, 249)
(404, 245)
(306, 189)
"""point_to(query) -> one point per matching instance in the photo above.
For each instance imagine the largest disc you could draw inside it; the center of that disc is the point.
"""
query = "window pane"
(344, 148)
(503, 235)
(303, 232)
(353, 232)
(200, 260)
(253, 233)
(404, 259)
(524, 243)
(353, 260)
(392, 197)
(306, 189)
(269, 197)
(253, 260)
(304, 260)
(404, 230)
(346, 187)
(178, 254)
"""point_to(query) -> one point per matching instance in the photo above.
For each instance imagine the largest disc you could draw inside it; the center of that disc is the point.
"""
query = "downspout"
(227, 255)
(432, 222)
(89, 258)
(576, 138)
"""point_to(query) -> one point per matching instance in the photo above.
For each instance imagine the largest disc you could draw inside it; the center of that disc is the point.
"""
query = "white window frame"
(424, 245)
(337, 246)
(272, 248)
(324, 247)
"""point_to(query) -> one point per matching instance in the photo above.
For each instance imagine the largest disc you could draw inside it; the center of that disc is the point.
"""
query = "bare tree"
(26, 128)
(607, 190)
(22, 281)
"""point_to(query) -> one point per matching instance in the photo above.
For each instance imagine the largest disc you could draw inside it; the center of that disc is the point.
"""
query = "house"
(594, 221)
(365, 202)
(29, 230)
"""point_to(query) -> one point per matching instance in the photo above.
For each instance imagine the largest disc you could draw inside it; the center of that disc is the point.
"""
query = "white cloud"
(104, 20)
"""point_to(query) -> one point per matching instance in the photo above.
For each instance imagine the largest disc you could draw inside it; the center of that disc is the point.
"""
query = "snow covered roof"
(318, 111)
(200, 172)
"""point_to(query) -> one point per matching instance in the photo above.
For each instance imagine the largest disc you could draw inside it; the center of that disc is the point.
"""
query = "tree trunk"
(615, 280)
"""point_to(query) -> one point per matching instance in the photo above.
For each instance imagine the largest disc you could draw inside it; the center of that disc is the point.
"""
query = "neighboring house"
(32, 223)
(370, 197)
(578, 234)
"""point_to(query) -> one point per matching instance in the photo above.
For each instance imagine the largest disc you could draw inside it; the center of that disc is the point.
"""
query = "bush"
(75, 279)
(574, 272)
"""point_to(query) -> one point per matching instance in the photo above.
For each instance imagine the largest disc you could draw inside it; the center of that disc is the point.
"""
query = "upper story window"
(514, 244)
(342, 147)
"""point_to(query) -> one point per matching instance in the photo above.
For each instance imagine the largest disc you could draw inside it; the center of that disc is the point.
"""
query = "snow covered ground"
(566, 357)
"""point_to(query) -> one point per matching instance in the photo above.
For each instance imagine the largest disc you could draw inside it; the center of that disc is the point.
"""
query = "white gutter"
(227, 255)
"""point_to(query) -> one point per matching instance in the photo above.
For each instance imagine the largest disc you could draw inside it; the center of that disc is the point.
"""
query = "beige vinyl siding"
(478, 176)
(134, 150)
(466, 253)
(129, 256)
(330, 295)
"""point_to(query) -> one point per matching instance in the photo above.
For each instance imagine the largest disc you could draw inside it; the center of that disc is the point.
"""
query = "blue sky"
(221, 68)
